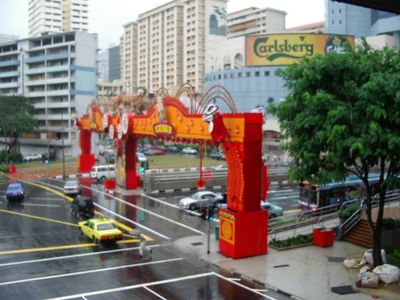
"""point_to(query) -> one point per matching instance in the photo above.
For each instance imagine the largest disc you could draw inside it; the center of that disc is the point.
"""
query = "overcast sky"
(106, 17)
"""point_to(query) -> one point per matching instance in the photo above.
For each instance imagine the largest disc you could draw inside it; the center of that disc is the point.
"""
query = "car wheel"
(102, 178)
(96, 241)
(192, 206)
(271, 216)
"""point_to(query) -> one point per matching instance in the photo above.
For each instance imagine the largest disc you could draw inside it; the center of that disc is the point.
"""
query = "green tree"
(342, 116)
(15, 118)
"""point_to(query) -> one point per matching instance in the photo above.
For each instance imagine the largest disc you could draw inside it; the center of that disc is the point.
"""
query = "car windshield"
(14, 187)
(71, 183)
(105, 226)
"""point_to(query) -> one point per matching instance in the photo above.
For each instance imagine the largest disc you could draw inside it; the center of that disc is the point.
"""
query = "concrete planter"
(390, 237)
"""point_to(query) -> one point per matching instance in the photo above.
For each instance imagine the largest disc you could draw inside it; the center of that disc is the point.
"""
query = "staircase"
(360, 234)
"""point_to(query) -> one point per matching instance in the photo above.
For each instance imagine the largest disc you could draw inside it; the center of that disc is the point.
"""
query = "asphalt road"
(43, 255)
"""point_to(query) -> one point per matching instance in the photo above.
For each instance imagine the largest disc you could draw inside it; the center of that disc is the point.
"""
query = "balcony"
(35, 94)
(35, 82)
(7, 63)
(63, 92)
(5, 85)
(9, 74)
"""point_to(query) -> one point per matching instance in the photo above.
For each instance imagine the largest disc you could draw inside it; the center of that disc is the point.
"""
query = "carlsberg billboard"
(285, 49)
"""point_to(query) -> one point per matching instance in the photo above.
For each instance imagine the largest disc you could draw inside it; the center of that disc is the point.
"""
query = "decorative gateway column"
(243, 225)
(132, 179)
(86, 158)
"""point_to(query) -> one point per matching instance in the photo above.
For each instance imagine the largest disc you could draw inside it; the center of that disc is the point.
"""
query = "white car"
(72, 187)
(140, 157)
(32, 157)
(189, 150)
(200, 200)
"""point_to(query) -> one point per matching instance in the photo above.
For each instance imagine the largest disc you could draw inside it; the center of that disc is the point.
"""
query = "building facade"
(173, 43)
(57, 16)
(57, 73)
(341, 18)
(129, 54)
(252, 20)
(114, 63)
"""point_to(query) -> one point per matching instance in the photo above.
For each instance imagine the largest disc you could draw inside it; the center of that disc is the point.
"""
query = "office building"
(114, 63)
(253, 20)
(57, 73)
(57, 16)
(359, 21)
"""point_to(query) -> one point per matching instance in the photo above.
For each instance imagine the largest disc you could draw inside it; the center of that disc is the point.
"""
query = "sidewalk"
(304, 273)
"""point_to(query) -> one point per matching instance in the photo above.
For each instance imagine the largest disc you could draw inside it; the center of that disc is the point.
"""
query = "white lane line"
(280, 198)
(131, 221)
(160, 201)
(41, 205)
(75, 256)
(154, 293)
(90, 271)
(279, 191)
(147, 211)
(138, 207)
(244, 287)
(130, 287)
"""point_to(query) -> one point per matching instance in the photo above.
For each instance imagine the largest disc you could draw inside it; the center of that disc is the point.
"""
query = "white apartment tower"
(57, 16)
(173, 43)
(252, 20)
(128, 50)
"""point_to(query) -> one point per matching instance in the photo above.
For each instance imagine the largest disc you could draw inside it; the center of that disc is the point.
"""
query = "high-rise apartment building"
(57, 16)
(57, 72)
(129, 53)
(173, 43)
(252, 20)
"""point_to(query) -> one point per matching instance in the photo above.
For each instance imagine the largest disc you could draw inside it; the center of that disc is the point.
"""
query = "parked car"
(82, 207)
(274, 210)
(189, 150)
(200, 200)
(216, 155)
(140, 157)
(172, 149)
(32, 157)
(110, 159)
(72, 187)
(100, 230)
(15, 190)
(154, 151)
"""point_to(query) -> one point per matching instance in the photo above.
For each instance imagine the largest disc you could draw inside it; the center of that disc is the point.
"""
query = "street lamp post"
(62, 141)
(209, 225)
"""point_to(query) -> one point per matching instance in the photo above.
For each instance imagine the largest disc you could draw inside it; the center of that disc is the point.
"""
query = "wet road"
(43, 256)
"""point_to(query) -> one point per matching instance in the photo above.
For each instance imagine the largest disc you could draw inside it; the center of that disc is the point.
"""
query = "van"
(102, 172)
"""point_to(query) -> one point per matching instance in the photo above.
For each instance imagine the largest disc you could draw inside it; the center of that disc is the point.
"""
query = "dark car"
(82, 207)
(15, 191)
(173, 149)
(216, 155)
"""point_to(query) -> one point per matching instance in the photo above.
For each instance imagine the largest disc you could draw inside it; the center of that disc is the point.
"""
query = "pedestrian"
(143, 249)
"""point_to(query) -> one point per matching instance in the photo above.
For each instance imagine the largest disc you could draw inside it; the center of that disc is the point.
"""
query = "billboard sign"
(285, 49)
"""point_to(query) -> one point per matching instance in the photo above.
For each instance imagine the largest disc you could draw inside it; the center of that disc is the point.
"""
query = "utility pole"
(209, 225)
(62, 142)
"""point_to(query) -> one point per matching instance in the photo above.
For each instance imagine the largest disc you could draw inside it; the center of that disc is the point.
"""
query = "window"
(257, 74)
(248, 74)
(266, 73)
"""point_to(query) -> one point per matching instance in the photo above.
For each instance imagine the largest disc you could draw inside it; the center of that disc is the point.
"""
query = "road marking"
(154, 293)
(279, 191)
(38, 218)
(130, 287)
(90, 272)
(46, 199)
(160, 201)
(243, 286)
(143, 209)
(121, 225)
(51, 248)
(42, 205)
(32, 261)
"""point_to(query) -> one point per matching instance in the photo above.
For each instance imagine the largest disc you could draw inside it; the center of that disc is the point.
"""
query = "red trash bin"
(323, 237)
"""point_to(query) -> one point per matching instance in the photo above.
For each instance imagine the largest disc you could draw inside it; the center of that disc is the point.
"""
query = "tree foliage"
(343, 116)
(16, 116)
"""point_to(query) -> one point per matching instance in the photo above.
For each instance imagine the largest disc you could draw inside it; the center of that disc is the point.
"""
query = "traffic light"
(142, 167)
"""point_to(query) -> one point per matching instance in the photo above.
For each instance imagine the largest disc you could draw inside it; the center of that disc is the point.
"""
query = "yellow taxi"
(100, 230)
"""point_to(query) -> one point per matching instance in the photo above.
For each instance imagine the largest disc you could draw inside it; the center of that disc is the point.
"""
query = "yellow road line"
(38, 218)
(70, 199)
(63, 247)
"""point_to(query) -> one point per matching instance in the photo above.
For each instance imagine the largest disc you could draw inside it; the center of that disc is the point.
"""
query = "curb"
(169, 191)
(73, 176)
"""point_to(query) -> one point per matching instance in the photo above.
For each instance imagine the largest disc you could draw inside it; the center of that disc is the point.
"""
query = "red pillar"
(132, 178)
(86, 159)
(243, 225)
